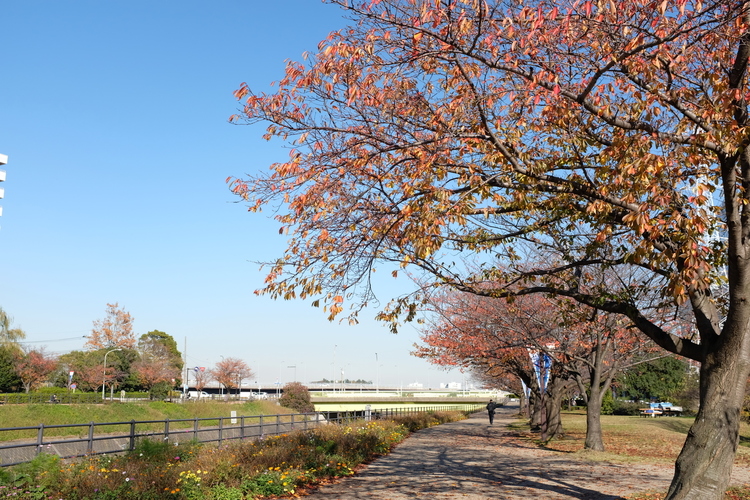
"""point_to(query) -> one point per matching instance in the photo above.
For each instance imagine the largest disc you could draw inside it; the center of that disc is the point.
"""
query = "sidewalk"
(472, 460)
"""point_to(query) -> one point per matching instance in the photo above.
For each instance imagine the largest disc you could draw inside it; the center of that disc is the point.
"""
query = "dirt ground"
(472, 460)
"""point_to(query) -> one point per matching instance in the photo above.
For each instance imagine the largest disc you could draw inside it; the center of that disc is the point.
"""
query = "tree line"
(113, 359)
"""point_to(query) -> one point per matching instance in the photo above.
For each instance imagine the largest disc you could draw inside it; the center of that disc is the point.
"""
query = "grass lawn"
(35, 414)
(629, 439)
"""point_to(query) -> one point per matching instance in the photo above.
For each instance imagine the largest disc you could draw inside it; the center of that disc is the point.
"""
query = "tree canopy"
(115, 330)
(504, 148)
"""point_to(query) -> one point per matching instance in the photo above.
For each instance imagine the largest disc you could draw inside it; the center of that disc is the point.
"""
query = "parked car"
(198, 395)
(253, 395)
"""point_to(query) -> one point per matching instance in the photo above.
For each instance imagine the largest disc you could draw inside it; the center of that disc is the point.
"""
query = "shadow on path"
(473, 460)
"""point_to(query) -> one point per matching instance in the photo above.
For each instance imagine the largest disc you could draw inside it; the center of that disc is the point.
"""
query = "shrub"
(626, 408)
(608, 403)
(296, 397)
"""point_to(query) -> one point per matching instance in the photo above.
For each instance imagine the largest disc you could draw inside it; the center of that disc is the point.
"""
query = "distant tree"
(661, 379)
(230, 372)
(88, 368)
(115, 330)
(34, 367)
(296, 397)
(9, 379)
(202, 378)
(151, 340)
(156, 365)
(9, 335)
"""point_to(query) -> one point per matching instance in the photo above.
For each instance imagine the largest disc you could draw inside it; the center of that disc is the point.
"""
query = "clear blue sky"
(114, 117)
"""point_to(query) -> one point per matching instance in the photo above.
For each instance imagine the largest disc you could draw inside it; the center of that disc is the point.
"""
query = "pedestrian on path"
(491, 406)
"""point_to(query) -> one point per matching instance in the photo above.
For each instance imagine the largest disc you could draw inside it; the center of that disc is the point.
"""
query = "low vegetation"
(277, 466)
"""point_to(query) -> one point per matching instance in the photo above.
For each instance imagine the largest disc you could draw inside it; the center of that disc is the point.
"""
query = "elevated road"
(417, 400)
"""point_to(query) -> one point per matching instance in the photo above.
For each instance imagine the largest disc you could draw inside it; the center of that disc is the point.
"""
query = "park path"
(472, 460)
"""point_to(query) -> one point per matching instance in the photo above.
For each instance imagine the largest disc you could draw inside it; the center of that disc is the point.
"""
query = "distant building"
(416, 385)
(451, 385)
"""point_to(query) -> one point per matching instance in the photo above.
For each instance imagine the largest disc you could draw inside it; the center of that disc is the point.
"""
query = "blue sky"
(114, 118)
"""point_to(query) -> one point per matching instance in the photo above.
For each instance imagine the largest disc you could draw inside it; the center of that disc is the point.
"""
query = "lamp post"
(104, 382)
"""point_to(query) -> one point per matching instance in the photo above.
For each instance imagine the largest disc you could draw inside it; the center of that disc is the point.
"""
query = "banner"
(542, 363)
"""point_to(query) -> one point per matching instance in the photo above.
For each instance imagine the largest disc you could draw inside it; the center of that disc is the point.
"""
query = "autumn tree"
(491, 337)
(34, 368)
(202, 378)
(160, 345)
(157, 364)
(115, 330)
(87, 368)
(230, 372)
(449, 136)
(90, 374)
(498, 338)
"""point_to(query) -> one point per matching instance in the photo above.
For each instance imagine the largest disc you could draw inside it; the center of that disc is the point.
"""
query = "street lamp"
(104, 382)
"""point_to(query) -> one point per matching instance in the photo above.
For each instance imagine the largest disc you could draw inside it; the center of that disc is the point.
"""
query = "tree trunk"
(552, 406)
(704, 467)
(594, 439)
(535, 409)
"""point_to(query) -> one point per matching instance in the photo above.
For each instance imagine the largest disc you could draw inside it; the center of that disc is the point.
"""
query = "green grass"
(32, 415)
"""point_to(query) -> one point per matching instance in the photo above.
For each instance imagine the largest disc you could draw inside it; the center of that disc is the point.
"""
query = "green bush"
(608, 403)
(625, 408)
(296, 397)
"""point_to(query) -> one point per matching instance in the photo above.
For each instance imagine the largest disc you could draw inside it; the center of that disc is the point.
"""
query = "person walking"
(491, 406)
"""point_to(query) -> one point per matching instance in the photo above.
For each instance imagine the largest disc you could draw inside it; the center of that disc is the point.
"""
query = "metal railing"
(78, 440)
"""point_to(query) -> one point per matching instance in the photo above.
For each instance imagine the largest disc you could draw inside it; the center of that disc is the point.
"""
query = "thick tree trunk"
(704, 467)
(535, 407)
(594, 439)
(552, 406)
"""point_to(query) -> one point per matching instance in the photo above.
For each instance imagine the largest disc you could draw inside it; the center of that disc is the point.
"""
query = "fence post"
(278, 424)
(40, 439)
(132, 435)
(261, 427)
(221, 428)
(91, 438)
(292, 421)
(195, 429)
(242, 427)
(166, 430)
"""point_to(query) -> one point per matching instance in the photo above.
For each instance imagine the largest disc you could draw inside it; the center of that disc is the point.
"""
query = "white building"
(451, 385)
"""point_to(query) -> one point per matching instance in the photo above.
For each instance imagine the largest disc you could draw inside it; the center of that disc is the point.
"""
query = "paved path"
(472, 460)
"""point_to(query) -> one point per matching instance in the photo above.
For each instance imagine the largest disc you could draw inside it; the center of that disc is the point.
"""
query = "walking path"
(472, 460)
